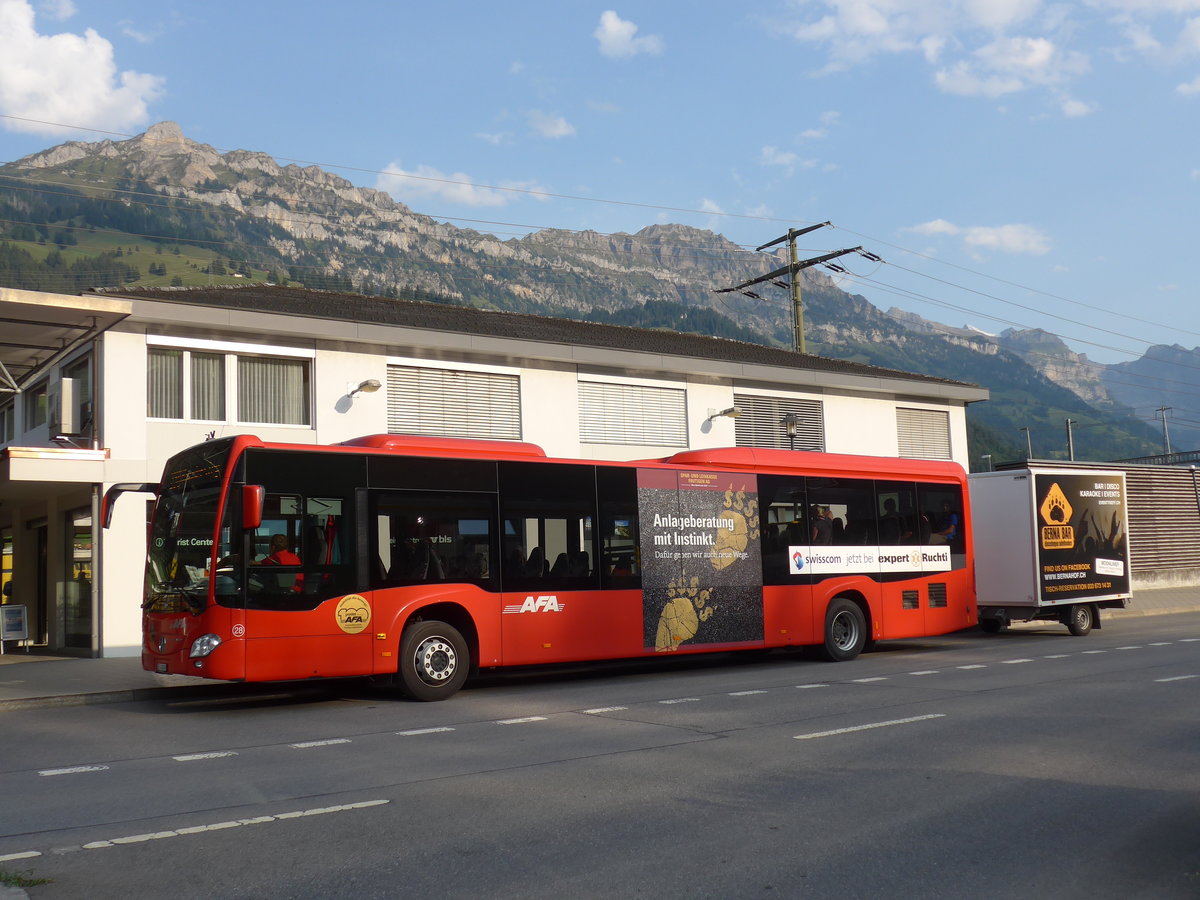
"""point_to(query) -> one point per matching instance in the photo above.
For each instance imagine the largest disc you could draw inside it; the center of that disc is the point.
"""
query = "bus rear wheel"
(845, 631)
(1080, 619)
(434, 660)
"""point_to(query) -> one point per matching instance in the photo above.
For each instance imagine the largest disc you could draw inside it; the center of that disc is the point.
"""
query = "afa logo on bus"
(542, 603)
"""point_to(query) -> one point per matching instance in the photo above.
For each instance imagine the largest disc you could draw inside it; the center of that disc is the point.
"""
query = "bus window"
(620, 553)
(842, 512)
(423, 536)
(896, 511)
(942, 520)
(548, 517)
(298, 555)
(785, 523)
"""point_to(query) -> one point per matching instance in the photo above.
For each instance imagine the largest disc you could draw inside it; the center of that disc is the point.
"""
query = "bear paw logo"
(682, 615)
(742, 515)
(1056, 508)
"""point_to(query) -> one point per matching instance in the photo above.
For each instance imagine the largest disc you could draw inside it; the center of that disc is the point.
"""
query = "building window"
(192, 385)
(923, 433)
(632, 414)
(763, 422)
(453, 403)
(35, 407)
(8, 422)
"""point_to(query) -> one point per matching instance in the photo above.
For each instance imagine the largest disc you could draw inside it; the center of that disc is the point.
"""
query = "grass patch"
(15, 879)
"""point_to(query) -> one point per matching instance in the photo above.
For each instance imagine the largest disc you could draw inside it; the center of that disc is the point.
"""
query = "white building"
(103, 388)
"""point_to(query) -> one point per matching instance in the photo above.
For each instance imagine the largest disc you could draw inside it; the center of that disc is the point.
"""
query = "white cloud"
(66, 78)
(426, 182)
(1074, 109)
(1011, 64)
(828, 120)
(1189, 87)
(1005, 238)
(58, 9)
(497, 138)
(618, 38)
(549, 126)
(773, 156)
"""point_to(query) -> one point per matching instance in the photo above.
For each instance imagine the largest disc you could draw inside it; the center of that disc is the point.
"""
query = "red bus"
(424, 559)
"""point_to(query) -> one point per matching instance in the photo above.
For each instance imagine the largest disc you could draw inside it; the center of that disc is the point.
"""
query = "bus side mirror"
(253, 498)
(111, 495)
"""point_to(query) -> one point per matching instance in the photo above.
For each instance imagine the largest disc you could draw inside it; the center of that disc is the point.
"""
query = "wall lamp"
(732, 413)
(370, 386)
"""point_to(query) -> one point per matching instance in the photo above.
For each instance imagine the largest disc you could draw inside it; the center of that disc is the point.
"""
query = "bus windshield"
(184, 526)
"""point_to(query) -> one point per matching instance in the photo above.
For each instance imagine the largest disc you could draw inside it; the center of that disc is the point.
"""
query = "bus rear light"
(204, 645)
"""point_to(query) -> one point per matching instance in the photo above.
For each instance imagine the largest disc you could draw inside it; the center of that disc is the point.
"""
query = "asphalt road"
(1024, 764)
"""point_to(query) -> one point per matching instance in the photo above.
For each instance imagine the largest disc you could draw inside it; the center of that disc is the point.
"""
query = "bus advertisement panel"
(1082, 551)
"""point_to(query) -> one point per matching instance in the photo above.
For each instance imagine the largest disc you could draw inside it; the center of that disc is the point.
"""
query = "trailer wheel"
(434, 660)
(845, 631)
(1080, 619)
(991, 625)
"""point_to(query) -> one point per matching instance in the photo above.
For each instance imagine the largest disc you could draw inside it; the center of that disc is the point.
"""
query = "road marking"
(1095, 651)
(744, 693)
(27, 854)
(306, 744)
(221, 826)
(1131, 647)
(190, 757)
(1013, 662)
(974, 666)
(1057, 656)
(604, 709)
(869, 680)
(417, 731)
(925, 672)
(821, 734)
(522, 721)
(1176, 678)
(73, 770)
(804, 687)
(1188, 640)
(680, 700)
(1160, 644)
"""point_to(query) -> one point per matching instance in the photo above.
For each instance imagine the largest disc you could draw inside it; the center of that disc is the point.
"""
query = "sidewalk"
(30, 681)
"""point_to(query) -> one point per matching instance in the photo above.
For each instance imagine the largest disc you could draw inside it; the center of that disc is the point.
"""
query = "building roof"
(517, 326)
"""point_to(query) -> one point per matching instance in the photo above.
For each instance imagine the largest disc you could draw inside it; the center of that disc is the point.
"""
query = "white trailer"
(1051, 543)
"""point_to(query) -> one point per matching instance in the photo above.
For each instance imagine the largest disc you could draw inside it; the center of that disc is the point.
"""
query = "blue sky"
(1014, 162)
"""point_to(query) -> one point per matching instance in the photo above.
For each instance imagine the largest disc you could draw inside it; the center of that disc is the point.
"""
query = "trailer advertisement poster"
(701, 559)
(1082, 535)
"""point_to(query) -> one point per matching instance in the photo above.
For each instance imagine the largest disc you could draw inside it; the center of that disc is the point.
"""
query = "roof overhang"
(37, 330)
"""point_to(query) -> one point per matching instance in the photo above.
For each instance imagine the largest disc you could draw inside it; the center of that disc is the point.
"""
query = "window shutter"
(923, 433)
(761, 422)
(632, 414)
(451, 403)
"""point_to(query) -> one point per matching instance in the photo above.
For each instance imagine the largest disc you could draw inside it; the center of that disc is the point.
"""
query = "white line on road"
(306, 744)
(974, 666)
(191, 757)
(925, 672)
(805, 687)
(604, 709)
(417, 731)
(1131, 647)
(869, 680)
(28, 854)
(220, 826)
(1095, 651)
(1013, 662)
(1188, 640)
(680, 700)
(1177, 678)
(1160, 644)
(521, 721)
(73, 770)
(821, 734)
(1057, 656)
(744, 693)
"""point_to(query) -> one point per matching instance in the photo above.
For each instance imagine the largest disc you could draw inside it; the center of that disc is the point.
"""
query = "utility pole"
(792, 269)
(1163, 410)
(1070, 441)
(1028, 442)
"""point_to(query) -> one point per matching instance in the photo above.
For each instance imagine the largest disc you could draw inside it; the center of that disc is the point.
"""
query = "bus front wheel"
(845, 631)
(434, 660)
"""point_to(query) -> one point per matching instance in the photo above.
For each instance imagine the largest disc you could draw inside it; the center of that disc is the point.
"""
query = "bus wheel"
(845, 631)
(434, 660)
(1080, 619)
(991, 625)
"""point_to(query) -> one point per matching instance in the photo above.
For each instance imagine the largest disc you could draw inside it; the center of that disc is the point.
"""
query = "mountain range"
(160, 209)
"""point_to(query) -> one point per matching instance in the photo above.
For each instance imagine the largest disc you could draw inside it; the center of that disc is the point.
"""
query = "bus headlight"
(204, 645)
